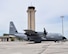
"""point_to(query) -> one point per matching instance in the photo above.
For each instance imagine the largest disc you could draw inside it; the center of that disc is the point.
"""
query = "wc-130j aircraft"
(37, 37)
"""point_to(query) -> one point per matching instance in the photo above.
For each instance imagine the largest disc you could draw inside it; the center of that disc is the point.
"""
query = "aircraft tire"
(37, 41)
(55, 40)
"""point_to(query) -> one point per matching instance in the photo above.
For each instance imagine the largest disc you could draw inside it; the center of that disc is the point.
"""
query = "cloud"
(52, 8)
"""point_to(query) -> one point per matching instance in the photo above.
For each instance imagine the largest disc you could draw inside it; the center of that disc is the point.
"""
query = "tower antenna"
(31, 3)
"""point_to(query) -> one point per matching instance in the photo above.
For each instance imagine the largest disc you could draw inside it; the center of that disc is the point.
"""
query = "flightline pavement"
(25, 47)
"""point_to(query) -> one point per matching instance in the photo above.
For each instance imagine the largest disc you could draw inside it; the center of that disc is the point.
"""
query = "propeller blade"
(45, 32)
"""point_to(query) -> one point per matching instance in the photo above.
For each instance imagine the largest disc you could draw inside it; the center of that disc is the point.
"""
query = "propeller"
(45, 32)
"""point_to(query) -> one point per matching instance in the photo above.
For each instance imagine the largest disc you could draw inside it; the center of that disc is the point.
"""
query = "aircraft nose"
(64, 38)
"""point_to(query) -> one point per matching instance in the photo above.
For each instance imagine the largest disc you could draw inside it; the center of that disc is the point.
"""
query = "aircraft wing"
(30, 32)
(33, 35)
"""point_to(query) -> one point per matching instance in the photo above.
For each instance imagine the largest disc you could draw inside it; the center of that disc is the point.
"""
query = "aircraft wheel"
(55, 40)
(37, 41)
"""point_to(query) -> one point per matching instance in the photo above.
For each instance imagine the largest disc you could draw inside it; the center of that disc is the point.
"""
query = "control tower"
(31, 18)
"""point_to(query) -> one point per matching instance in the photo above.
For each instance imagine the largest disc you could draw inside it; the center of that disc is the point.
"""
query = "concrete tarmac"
(26, 47)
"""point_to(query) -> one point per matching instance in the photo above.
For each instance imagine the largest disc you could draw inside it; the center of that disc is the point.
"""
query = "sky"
(48, 15)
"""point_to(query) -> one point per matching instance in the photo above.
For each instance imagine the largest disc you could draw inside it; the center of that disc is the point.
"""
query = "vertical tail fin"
(12, 29)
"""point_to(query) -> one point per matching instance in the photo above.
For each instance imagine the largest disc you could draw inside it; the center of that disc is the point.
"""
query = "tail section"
(12, 29)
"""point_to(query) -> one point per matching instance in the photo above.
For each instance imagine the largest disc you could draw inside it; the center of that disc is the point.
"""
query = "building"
(8, 38)
(31, 18)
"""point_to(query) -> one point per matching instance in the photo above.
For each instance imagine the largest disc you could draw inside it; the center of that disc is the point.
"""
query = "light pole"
(62, 25)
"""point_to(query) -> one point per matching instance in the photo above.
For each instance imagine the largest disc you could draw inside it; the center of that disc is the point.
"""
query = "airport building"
(7, 37)
(31, 18)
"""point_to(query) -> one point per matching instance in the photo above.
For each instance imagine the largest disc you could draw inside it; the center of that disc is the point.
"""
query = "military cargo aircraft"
(37, 37)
